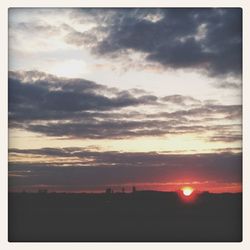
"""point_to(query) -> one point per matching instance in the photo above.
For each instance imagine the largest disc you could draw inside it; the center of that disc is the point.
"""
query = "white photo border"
(4, 5)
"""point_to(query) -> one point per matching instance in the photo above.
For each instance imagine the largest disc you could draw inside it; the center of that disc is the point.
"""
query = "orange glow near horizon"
(211, 187)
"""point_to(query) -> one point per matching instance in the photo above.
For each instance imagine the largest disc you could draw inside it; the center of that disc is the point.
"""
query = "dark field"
(141, 216)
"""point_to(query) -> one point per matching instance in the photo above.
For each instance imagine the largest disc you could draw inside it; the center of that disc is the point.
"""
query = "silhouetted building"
(42, 191)
(133, 189)
(109, 191)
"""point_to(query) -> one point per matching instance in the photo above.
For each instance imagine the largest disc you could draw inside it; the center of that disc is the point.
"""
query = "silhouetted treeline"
(140, 216)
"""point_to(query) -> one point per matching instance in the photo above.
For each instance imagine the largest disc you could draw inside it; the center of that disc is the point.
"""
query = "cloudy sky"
(119, 97)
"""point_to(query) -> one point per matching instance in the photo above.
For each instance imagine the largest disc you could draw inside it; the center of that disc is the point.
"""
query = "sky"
(117, 98)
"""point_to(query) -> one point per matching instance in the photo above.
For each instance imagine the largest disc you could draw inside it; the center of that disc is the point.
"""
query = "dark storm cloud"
(227, 110)
(114, 129)
(203, 111)
(121, 168)
(48, 97)
(119, 129)
(149, 159)
(44, 151)
(207, 39)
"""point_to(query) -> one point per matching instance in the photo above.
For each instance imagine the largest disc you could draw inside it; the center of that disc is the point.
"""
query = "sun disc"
(187, 191)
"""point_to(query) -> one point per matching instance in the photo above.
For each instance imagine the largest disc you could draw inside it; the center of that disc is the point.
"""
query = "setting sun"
(187, 191)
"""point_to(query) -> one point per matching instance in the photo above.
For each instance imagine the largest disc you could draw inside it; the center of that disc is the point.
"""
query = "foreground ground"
(140, 216)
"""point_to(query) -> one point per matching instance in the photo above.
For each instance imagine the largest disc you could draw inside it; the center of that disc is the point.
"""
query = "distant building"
(42, 191)
(123, 190)
(109, 191)
(133, 189)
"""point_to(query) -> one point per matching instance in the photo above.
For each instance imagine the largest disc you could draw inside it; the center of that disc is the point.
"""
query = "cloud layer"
(78, 108)
(201, 39)
(95, 169)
